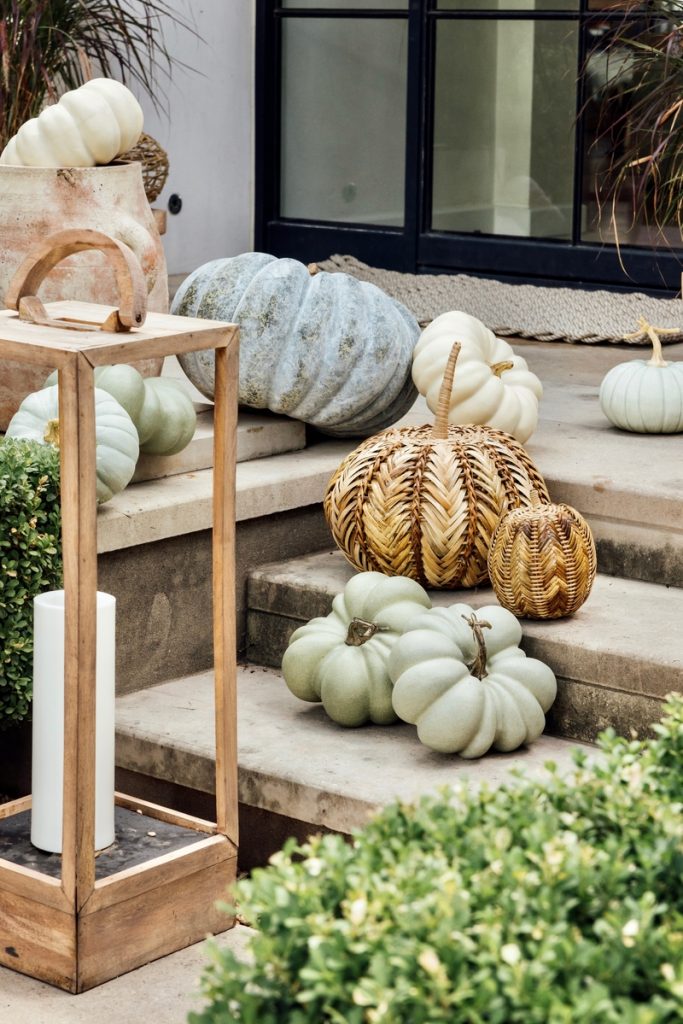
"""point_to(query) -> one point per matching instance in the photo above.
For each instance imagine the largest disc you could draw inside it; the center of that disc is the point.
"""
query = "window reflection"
(633, 75)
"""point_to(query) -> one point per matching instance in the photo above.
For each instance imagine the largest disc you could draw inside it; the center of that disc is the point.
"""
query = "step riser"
(635, 552)
(581, 711)
(163, 593)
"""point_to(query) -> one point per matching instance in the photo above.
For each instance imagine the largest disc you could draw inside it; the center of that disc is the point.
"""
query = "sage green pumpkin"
(341, 659)
(167, 420)
(116, 438)
(461, 678)
(324, 348)
(160, 408)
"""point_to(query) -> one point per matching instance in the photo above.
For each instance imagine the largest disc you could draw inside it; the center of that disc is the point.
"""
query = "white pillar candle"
(48, 721)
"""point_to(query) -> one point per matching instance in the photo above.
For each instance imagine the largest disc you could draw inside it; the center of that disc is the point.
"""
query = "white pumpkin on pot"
(89, 126)
(645, 396)
(494, 386)
(460, 676)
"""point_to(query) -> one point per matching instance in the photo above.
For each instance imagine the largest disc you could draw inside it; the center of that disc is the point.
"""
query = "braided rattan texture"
(523, 310)
(542, 561)
(154, 160)
(407, 504)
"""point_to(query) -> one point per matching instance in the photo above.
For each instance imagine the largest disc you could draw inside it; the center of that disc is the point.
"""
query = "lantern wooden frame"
(78, 931)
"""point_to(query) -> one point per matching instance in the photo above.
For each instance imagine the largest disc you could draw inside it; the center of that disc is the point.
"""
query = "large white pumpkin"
(324, 348)
(493, 386)
(88, 126)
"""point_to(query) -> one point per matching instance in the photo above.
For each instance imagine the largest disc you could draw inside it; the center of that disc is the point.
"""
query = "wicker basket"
(154, 160)
(542, 561)
(424, 501)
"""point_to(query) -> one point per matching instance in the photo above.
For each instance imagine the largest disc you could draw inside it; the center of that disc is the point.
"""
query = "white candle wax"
(48, 721)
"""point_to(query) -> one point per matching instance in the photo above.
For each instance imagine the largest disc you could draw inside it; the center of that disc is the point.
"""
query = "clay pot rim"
(115, 165)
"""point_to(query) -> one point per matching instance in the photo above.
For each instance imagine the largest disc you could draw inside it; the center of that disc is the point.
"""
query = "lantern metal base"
(146, 904)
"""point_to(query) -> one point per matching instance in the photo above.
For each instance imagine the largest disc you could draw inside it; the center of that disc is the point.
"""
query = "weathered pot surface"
(37, 201)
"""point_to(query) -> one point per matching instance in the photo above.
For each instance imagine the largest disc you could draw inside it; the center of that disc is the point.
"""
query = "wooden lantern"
(100, 918)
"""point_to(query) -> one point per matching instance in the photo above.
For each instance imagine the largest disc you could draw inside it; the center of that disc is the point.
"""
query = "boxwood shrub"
(30, 561)
(542, 902)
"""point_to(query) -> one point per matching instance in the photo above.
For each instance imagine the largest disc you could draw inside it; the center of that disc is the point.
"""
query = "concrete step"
(154, 544)
(154, 538)
(293, 761)
(258, 436)
(615, 660)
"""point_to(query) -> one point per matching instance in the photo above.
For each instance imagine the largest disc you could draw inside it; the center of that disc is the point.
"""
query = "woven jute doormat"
(523, 310)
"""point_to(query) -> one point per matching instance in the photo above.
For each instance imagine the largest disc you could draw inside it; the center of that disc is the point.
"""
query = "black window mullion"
(416, 145)
(579, 132)
(267, 112)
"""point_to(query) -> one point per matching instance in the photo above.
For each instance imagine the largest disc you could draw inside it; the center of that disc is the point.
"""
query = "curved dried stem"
(440, 428)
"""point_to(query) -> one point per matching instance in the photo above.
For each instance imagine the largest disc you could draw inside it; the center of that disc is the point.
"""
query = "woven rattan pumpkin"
(424, 501)
(542, 561)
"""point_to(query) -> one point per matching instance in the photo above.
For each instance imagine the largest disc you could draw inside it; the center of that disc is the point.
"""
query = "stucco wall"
(207, 131)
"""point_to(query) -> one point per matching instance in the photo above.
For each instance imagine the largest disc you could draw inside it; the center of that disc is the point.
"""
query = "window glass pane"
(510, 5)
(505, 106)
(349, 5)
(343, 120)
(634, 75)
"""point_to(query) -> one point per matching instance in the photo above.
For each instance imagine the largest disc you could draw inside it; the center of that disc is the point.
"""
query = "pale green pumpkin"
(116, 438)
(160, 408)
(645, 397)
(341, 659)
(167, 420)
(461, 678)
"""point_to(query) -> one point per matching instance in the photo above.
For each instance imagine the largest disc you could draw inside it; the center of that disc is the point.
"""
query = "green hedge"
(550, 902)
(30, 561)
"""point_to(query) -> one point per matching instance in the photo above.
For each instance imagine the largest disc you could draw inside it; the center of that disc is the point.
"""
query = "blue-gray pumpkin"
(324, 348)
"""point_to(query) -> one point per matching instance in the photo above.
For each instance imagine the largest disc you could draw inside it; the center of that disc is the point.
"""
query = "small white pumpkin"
(493, 386)
(645, 396)
(88, 126)
(341, 659)
(460, 676)
(116, 438)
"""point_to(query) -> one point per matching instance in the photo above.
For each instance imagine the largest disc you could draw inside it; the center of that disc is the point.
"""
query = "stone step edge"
(292, 760)
(600, 685)
(258, 436)
(182, 504)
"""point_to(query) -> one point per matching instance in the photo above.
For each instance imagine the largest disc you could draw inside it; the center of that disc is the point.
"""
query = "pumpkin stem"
(360, 632)
(646, 328)
(478, 666)
(440, 428)
(498, 368)
(313, 269)
(51, 435)
(535, 498)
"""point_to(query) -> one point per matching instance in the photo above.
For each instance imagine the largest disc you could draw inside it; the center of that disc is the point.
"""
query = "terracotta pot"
(36, 201)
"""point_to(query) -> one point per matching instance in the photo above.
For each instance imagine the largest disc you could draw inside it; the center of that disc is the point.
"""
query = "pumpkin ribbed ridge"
(542, 561)
(324, 348)
(407, 503)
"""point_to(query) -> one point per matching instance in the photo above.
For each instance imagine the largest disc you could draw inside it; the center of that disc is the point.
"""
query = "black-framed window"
(445, 135)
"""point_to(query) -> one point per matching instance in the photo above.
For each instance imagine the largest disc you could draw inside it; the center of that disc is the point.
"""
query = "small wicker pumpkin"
(424, 501)
(542, 561)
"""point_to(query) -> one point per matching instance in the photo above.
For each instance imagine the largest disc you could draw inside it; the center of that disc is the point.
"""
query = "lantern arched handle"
(42, 258)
